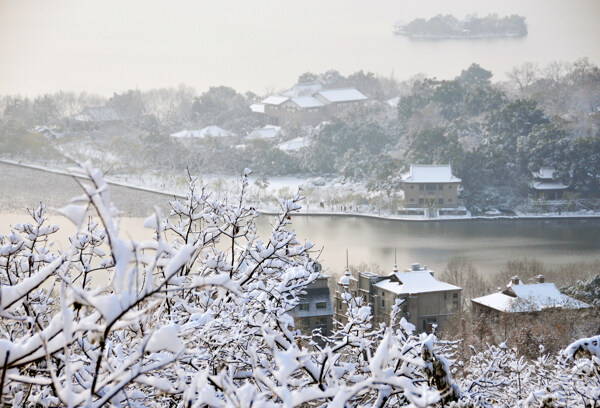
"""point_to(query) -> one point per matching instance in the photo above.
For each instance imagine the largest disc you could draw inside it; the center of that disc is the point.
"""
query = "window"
(449, 200)
(421, 200)
(449, 187)
(411, 186)
(382, 302)
(455, 295)
(321, 305)
(304, 306)
(412, 199)
(421, 186)
(430, 187)
(440, 186)
(440, 201)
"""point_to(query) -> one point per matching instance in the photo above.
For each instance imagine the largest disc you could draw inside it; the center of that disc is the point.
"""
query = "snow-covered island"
(472, 27)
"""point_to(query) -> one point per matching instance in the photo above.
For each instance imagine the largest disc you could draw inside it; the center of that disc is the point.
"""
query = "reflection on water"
(488, 244)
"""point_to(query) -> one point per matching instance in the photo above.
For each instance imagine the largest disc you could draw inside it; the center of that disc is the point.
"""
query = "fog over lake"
(111, 46)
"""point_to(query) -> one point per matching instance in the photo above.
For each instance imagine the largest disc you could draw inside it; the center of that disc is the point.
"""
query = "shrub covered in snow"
(198, 316)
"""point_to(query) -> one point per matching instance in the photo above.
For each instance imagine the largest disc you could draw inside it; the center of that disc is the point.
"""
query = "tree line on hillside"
(494, 134)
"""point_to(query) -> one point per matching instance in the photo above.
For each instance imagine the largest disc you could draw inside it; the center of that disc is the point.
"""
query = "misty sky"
(107, 46)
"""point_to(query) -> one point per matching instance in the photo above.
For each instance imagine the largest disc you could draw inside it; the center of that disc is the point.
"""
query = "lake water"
(263, 45)
(488, 244)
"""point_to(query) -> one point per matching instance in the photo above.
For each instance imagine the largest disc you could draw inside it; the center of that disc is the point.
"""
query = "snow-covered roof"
(304, 88)
(267, 132)
(293, 145)
(307, 102)
(433, 173)
(274, 100)
(548, 185)
(413, 282)
(393, 102)
(209, 131)
(257, 107)
(532, 297)
(546, 173)
(98, 114)
(342, 95)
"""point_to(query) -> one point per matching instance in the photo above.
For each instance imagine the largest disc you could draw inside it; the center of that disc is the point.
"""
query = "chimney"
(541, 278)
(515, 280)
(416, 267)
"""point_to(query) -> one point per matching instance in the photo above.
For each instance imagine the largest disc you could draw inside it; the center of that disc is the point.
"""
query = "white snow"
(545, 173)
(420, 173)
(257, 108)
(267, 132)
(166, 338)
(209, 131)
(307, 102)
(548, 185)
(293, 145)
(412, 282)
(274, 100)
(342, 95)
(532, 297)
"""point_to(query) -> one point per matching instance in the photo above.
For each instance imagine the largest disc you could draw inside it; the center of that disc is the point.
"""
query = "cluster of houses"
(308, 104)
(431, 188)
(420, 298)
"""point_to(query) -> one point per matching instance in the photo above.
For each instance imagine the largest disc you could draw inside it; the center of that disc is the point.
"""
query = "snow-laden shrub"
(197, 316)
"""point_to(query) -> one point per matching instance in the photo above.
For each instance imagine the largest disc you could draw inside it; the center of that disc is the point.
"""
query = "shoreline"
(417, 219)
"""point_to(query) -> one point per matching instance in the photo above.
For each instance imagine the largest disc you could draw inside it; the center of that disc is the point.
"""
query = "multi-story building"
(430, 186)
(315, 310)
(425, 301)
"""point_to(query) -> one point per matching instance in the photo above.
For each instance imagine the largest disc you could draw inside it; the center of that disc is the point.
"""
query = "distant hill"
(448, 26)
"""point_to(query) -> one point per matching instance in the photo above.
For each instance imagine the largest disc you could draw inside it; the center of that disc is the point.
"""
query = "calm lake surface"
(263, 45)
(488, 244)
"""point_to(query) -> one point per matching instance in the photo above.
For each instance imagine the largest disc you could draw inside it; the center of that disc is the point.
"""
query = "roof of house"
(267, 132)
(98, 114)
(209, 131)
(342, 95)
(307, 102)
(293, 145)
(413, 282)
(257, 107)
(532, 297)
(393, 102)
(544, 173)
(430, 173)
(275, 100)
(548, 185)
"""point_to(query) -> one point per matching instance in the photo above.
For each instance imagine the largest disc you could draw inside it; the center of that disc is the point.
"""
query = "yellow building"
(430, 186)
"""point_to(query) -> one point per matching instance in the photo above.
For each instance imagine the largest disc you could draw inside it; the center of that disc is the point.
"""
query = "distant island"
(448, 26)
